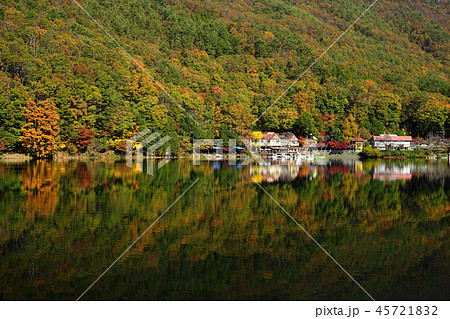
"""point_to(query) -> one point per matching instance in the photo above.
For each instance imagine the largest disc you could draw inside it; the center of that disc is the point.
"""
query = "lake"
(385, 222)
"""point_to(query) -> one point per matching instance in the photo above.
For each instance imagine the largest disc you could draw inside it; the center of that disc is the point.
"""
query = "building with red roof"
(391, 142)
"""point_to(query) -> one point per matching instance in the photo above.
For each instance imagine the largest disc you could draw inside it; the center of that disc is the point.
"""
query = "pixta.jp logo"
(217, 145)
(141, 141)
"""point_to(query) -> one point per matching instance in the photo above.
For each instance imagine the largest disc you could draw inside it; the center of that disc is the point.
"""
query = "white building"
(272, 139)
(391, 142)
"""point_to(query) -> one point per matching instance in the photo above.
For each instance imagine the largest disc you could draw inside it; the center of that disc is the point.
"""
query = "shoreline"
(18, 157)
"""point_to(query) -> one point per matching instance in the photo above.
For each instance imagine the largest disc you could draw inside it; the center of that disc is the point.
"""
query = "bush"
(370, 152)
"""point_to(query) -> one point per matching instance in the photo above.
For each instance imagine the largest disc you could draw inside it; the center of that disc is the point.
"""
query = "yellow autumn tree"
(40, 132)
(349, 127)
(303, 102)
(257, 135)
(241, 119)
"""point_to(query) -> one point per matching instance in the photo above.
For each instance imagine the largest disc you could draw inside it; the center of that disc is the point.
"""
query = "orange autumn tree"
(40, 131)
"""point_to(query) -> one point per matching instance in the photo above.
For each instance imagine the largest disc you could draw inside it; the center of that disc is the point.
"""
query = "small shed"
(358, 143)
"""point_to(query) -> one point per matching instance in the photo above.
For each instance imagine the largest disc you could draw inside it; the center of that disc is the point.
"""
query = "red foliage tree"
(85, 137)
(339, 146)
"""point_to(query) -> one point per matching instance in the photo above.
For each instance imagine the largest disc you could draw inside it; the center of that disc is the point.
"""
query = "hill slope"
(225, 62)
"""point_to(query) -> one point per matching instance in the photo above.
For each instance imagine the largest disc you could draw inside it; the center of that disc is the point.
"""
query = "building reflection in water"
(287, 171)
(387, 172)
(61, 223)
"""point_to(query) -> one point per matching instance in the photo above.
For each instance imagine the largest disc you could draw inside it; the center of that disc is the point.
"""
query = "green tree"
(431, 117)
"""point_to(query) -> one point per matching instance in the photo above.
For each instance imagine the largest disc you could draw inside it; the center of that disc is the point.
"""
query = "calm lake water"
(386, 222)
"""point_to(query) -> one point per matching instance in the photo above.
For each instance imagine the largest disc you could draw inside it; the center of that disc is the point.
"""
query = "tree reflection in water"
(386, 222)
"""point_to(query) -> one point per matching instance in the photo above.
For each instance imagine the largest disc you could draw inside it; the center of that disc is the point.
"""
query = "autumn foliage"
(85, 137)
(226, 64)
(40, 132)
(341, 146)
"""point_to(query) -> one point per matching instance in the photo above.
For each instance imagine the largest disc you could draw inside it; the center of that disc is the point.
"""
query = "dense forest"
(65, 86)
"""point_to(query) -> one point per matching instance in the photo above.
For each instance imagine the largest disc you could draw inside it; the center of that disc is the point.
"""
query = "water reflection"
(40, 184)
(287, 171)
(62, 223)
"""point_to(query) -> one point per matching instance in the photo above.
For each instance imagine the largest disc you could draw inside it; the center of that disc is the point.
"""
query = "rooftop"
(392, 137)
(283, 135)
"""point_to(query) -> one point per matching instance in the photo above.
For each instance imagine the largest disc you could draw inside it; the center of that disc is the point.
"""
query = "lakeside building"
(420, 144)
(358, 144)
(278, 143)
(391, 142)
(286, 143)
(272, 139)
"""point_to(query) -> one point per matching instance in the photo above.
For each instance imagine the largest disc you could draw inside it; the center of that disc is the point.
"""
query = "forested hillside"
(65, 81)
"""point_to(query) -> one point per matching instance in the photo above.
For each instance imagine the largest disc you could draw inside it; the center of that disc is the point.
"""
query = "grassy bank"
(370, 152)
(14, 157)
(64, 156)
